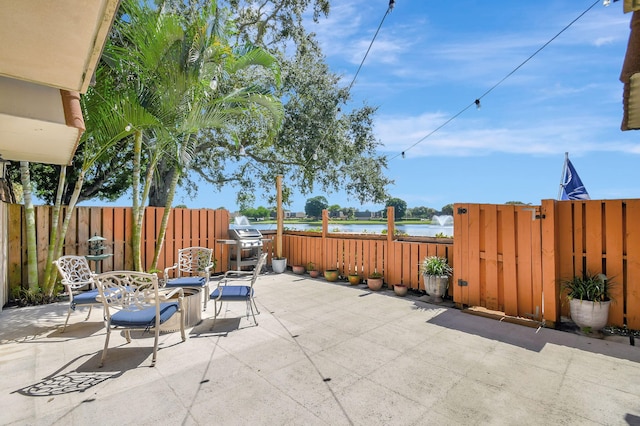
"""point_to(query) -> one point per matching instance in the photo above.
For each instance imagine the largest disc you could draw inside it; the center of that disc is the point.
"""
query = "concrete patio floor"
(322, 354)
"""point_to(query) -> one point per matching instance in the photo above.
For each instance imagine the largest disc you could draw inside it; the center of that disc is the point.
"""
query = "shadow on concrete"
(530, 338)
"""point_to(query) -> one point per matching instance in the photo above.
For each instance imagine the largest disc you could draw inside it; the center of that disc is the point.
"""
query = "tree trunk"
(30, 219)
(50, 275)
(161, 186)
(136, 208)
(165, 218)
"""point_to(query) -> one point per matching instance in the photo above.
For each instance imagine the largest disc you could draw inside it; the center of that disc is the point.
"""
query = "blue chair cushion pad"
(144, 317)
(232, 292)
(85, 298)
(186, 282)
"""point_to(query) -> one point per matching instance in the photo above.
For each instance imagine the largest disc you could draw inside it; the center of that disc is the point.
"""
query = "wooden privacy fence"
(513, 258)
(186, 228)
(397, 260)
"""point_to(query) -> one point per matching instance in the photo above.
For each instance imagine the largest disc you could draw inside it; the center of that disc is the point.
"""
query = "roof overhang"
(38, 123)
(49, 53)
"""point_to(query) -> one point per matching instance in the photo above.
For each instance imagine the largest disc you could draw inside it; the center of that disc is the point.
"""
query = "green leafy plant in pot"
(436, 272)
(589, 300)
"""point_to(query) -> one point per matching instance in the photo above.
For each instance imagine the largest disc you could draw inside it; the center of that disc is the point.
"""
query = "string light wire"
(392, 3)
(389, 9)
(476, 102)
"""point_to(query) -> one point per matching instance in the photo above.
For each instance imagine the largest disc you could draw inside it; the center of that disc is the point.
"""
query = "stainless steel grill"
(246, 247)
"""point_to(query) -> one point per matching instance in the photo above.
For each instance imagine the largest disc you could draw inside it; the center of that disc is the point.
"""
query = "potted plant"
(375, 281)
(312, 270)
(279, 264)
(354, 278)
(436, 272)
(589, 300)
(331, 275)
(400, 289)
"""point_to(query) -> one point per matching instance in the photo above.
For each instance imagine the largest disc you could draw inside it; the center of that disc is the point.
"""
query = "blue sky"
(432, 59)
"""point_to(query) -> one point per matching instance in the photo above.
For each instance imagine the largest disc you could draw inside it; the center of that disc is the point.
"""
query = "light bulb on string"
(128, 127)
(403, 154)
(315, 156)
(242, 151)
(477, 102)
(213, 84)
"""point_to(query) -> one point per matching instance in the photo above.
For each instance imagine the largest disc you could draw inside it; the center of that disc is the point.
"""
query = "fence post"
(550, 284)
(325, 227)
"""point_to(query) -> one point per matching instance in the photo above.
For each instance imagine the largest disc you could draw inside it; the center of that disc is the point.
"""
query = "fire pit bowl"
(192, 304)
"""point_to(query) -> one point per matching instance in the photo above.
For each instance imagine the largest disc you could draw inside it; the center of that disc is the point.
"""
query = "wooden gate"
(497, 258)
(513, 258)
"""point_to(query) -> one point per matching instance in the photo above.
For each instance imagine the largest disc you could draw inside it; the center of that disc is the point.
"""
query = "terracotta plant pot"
(354, 279)
(400, 290)
(374, 284)
(331, 275)
(298, 269)
(314, 274)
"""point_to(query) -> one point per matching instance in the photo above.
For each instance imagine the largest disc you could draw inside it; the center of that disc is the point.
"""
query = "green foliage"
(257, 213)
(435, 265)
(32, 297)
(334, 210)
(311, 266)
(448, 209)
(399, 205)
(422, 212)
(588, 286)
(315, 205)
(375, 274)
(442, 235)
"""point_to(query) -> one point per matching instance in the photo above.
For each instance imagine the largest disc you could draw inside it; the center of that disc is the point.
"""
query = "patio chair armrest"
(167, 269)
(236, 274)
(164, 296)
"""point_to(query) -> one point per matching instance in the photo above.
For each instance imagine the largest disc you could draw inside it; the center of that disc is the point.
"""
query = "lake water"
(414, 230)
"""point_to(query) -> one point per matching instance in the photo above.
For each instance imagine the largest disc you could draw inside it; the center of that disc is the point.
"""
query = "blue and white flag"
(572, 187)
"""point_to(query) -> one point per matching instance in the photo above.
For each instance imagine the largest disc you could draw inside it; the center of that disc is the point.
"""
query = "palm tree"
(180, 70)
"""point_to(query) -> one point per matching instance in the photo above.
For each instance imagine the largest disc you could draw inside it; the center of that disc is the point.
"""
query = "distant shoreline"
(350, 222)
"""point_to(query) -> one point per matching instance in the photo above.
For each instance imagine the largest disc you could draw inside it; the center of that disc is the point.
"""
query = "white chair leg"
(205, 289)
(250, 305)
(89, 314)
(67, 320)
(256, 306)
(155, 347)
(106, 346)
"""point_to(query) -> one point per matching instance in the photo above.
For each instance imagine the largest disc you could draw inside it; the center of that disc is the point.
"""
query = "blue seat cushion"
(144, 317)
(85, 298)
(232, 292)
(186, 282)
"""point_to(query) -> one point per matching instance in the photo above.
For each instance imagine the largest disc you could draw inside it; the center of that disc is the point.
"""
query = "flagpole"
(564, 171)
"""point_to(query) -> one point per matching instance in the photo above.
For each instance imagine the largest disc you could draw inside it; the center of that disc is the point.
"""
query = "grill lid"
(244, 233)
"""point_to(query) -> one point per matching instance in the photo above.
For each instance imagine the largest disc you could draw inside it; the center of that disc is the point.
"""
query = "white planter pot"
(588, 314)
(436, 286)
(279, 265)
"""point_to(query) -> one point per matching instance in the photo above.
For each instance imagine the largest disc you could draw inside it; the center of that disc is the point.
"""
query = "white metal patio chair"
(229, 291)
(193, 269)
(132, 300)
(76, 274)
